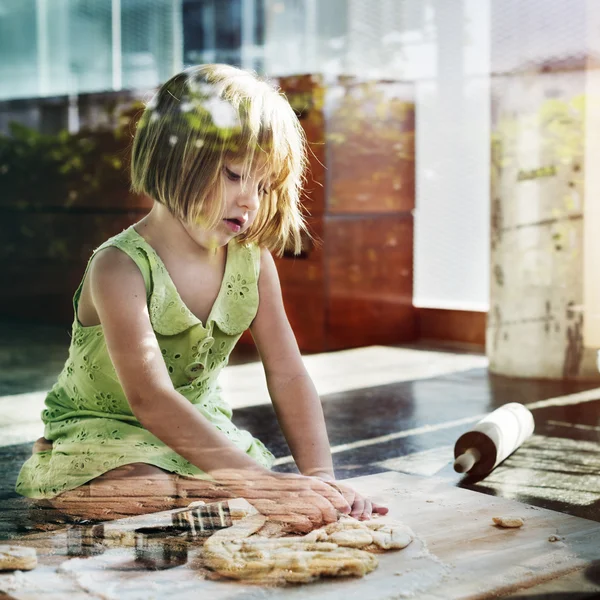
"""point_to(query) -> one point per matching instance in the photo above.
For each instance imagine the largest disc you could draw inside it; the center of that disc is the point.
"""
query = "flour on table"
(19, 558)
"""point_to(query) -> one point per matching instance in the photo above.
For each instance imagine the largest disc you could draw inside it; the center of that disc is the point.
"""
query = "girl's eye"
(231, 175)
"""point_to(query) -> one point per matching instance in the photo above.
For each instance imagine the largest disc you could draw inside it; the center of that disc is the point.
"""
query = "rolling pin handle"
(466, 460)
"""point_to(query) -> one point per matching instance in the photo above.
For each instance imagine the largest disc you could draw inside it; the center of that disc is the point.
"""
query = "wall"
(444, 49)
(62, 196)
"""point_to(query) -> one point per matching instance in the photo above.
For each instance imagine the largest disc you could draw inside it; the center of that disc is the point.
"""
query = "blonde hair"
(209, 114)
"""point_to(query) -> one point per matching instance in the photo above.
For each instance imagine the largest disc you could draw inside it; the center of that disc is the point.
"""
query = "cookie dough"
(234, 554)
(19, 558)
(366, 535)
(339, 549)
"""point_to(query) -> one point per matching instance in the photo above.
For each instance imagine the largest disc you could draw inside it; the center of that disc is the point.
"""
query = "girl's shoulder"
(133, 245)
(127, 240)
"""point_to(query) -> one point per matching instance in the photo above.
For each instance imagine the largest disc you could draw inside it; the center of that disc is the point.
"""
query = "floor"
(387, 409)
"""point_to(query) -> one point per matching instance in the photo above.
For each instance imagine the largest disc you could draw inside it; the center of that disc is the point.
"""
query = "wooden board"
(458, 553)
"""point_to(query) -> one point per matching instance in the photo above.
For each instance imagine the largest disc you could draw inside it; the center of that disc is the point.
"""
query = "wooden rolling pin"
(493, 439)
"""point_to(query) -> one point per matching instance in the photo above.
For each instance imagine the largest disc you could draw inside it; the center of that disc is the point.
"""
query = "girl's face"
(241, 202)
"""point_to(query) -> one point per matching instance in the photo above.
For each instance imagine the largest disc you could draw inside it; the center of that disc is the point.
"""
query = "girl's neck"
(163, 231)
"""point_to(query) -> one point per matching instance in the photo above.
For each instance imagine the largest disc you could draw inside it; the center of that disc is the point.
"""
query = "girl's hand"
(362, 508)
(299, 502)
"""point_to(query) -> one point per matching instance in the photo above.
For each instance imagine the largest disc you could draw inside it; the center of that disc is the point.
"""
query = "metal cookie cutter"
(203, 520)
(161, 547)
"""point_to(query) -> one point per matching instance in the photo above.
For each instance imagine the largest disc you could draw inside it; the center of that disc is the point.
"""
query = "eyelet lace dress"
(87, 416)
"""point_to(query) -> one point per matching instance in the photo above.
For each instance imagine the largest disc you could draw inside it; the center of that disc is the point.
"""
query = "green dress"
(87, 416)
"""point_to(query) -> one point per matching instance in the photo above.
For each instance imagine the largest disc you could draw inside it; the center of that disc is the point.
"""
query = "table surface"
(457, 553)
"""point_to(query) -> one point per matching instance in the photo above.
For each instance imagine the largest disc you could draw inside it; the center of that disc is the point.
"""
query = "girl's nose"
(249, 198)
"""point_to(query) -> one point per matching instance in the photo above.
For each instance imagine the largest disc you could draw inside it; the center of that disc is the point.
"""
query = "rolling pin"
(493, 439)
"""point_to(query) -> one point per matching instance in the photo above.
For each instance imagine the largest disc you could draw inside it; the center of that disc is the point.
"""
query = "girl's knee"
(41, 445)
(73, 503)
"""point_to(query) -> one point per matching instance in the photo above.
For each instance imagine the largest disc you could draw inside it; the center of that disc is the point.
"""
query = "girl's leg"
(133, 489)
(130, 490)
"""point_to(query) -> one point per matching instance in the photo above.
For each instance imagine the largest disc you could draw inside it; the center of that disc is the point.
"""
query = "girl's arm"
(119, 298)
(295, 399)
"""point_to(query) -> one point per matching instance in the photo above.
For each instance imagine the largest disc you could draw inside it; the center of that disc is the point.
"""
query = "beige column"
(542, 300)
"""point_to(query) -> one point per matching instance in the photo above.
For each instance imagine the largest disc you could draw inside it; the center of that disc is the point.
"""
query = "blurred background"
(451, 144)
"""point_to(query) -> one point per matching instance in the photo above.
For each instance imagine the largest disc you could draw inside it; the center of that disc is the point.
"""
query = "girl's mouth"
(234, 225)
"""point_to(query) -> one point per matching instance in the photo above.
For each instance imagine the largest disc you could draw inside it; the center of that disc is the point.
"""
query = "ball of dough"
(508, 521)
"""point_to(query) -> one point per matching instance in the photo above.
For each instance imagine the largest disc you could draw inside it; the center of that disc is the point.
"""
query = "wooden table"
(458, 553)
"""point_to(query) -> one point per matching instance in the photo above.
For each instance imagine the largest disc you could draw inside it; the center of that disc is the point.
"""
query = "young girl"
(136, 422)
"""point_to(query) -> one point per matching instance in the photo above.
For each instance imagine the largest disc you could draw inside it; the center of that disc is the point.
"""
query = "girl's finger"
(366, 515)
(358, 507)
(346, 491)
(317, 508)
(380, 510)
(288, 508)
(332, 494)
(329, 513)
(292, 523)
